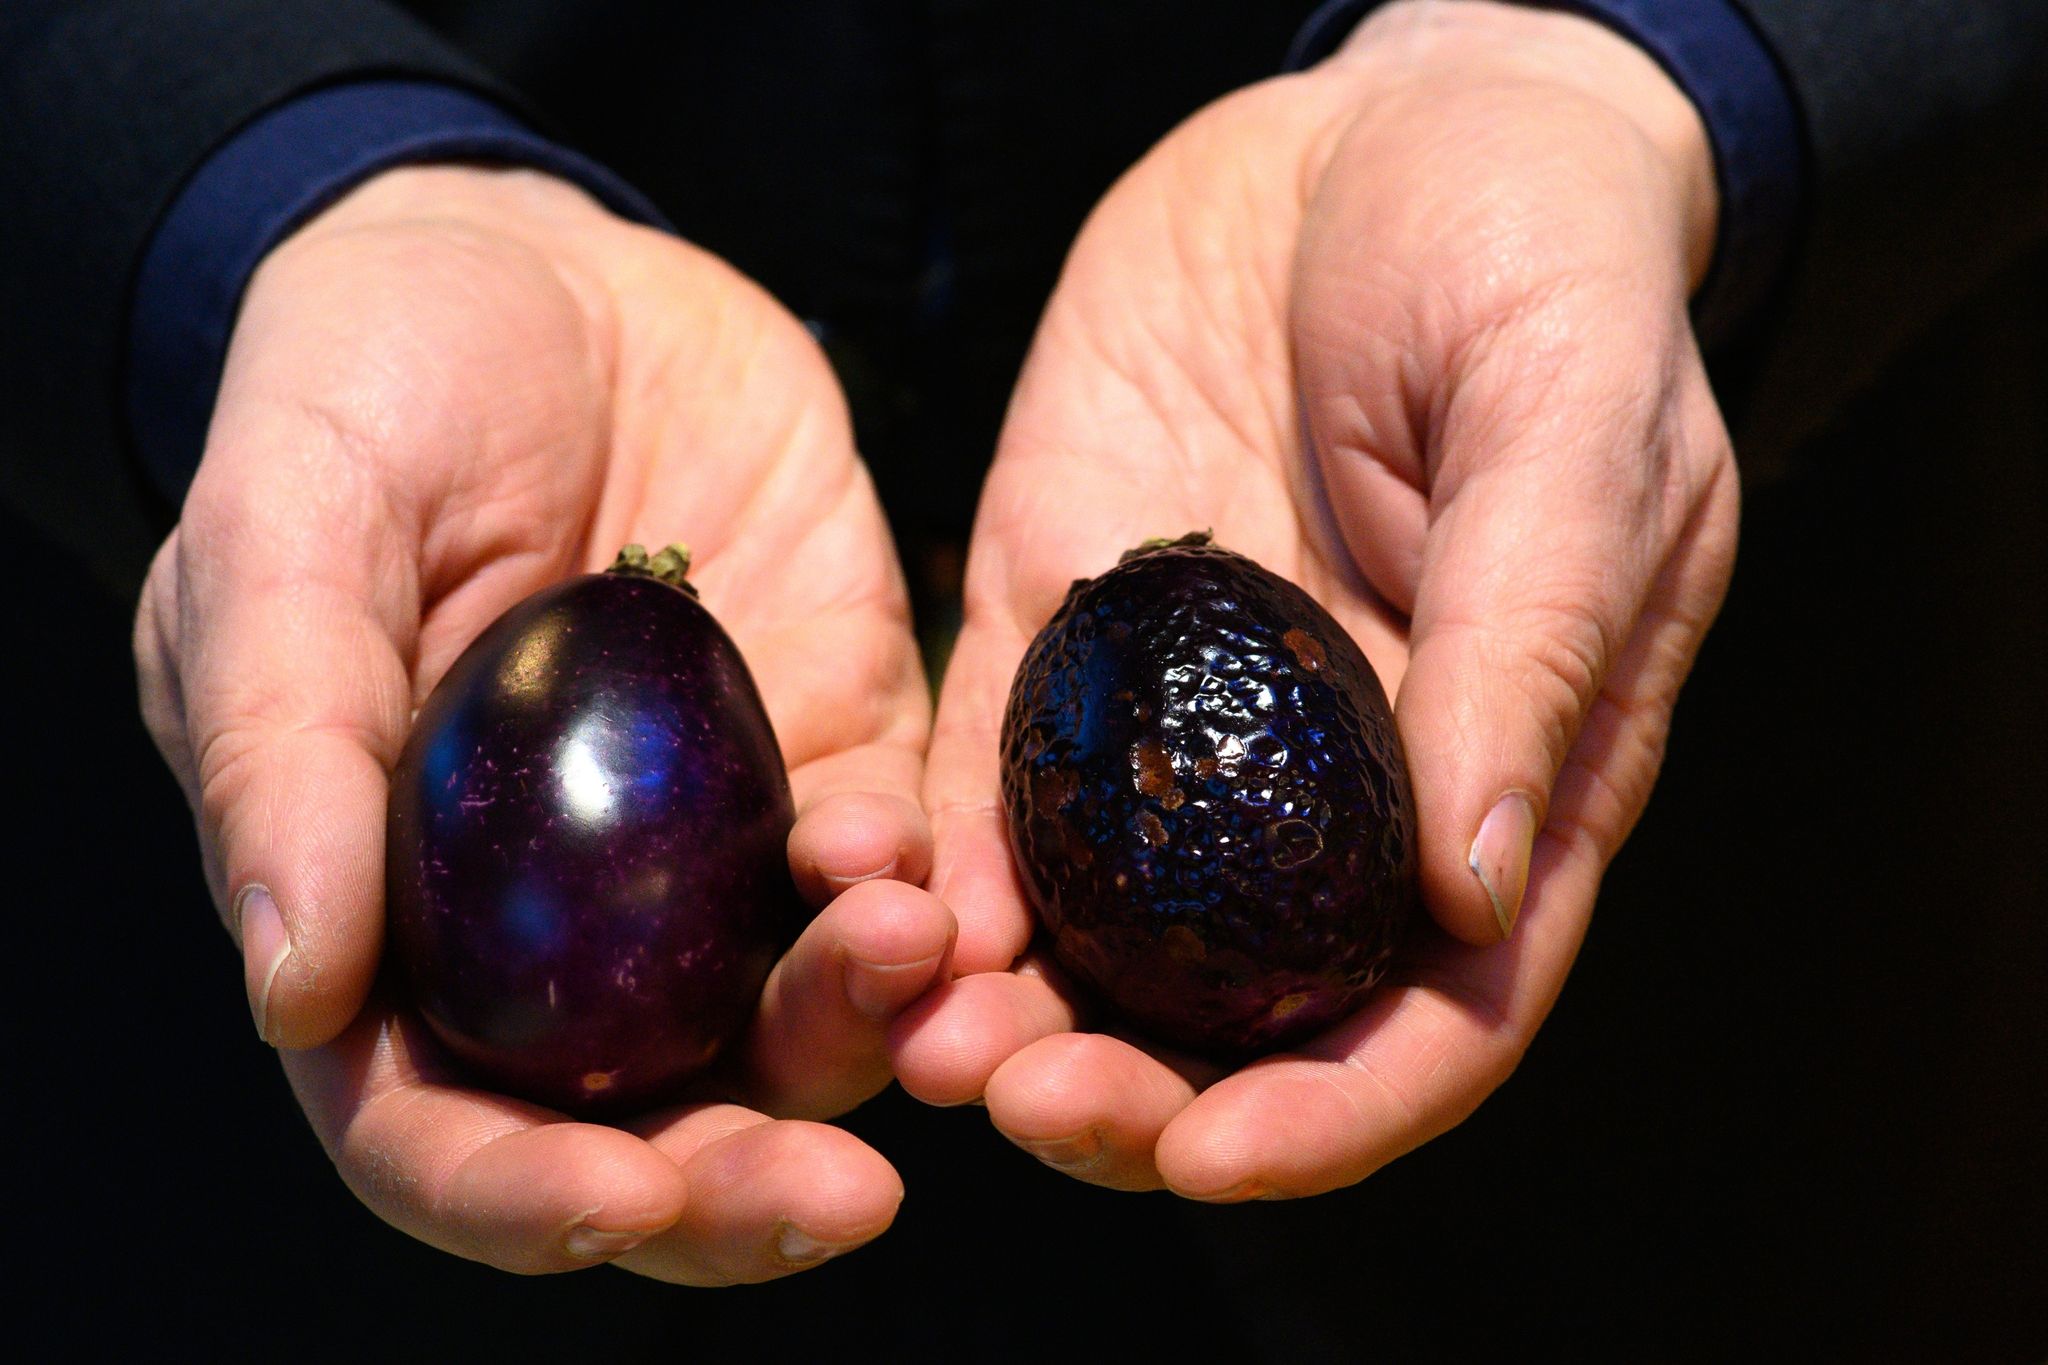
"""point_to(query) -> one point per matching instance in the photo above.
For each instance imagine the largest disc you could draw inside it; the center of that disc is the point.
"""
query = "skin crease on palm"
(1409, 329)
(452, 388)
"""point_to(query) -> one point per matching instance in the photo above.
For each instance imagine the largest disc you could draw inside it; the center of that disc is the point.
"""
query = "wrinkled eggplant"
(1208, 800)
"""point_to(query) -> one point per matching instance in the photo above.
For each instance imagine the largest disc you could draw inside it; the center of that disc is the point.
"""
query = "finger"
(1558, 492)
(945, 1047)
(1492, 379)
(491, 1179)
(355, 470)
(856, 836)
(794, 557)
(828, 635)
(1413, 1064)
(296, 701)
(159, 691)
(1089, 1106)
(972, 870)
(1432, 1045)
(818, 1046)
(1535, 582)
(859, 817)
(767, 1198)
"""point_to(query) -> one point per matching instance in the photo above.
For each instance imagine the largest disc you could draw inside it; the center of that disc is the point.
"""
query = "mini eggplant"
(586, 867)
(1208, 800)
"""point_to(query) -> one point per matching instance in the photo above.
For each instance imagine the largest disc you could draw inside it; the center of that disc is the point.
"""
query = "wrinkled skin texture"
(1208, 802)
(452, 388)
(1410, 330)
(587, 874)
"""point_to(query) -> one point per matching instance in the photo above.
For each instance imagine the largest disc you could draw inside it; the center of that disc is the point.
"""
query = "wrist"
(506, 199)
(1429, 48)
(537, 216)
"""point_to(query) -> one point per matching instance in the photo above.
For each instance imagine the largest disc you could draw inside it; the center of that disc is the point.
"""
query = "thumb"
(295, 618)
(300, 578)
(1530, 583)
(1525, 533)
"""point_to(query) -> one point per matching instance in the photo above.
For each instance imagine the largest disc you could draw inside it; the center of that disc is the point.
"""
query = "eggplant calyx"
(670, 566)
(1192, 540)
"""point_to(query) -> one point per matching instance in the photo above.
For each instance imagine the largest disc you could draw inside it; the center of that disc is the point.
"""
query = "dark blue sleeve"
(1724, 66)
(273, 175)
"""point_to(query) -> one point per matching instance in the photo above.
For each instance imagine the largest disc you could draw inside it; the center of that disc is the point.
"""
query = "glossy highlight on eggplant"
(586, 867)
(1208, 800)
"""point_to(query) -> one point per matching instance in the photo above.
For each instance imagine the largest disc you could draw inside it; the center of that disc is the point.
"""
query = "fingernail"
(1081, 1152)
(592, 1244)
(1500, 856)
(877, 989)
(1236, 1194)
(264, 950)
(798, 1247)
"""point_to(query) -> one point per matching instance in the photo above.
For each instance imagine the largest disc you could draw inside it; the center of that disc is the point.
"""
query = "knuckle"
(1075, 1058)
(159, 690)
(1568, 648)
(227, 772)
(247, 765)
(1605, 785)
(1546, 662)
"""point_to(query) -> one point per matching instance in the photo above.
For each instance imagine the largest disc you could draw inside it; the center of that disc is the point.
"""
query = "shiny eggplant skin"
(1208, 801)
(586, 859)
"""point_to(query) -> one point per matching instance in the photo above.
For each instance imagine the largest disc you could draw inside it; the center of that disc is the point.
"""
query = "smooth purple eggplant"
(586, 860)
(1208, 800)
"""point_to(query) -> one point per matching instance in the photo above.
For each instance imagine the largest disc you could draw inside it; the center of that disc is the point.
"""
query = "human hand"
(1409, 329)
(454, 387)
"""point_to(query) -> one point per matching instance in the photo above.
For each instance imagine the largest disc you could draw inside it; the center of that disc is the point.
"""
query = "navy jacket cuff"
(1724, 66)
(280, 170)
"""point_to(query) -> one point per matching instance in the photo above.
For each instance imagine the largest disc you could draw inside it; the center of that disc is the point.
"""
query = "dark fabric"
(1929, 146)
(275, 173)
(1753, 125)
(906, 175)
(105, 107)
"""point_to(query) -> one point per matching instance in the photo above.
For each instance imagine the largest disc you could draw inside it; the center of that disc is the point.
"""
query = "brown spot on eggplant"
(1151, 768)
(1054, 789)
(1289, 1004)
(1305, 649)
(1183, 944)
(1078, 850)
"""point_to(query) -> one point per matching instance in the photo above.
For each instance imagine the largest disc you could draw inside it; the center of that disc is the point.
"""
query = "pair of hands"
(1410, 329)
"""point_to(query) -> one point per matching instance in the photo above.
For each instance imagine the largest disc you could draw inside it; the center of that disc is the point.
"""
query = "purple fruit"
(1208, 800)
(586, 868)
